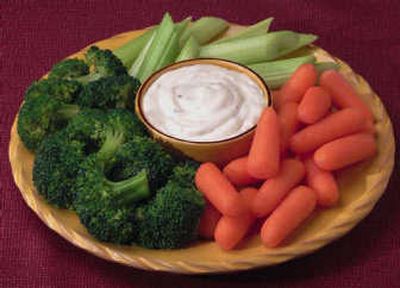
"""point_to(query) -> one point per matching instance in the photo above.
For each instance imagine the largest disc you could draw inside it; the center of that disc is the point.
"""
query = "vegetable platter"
(361, 186)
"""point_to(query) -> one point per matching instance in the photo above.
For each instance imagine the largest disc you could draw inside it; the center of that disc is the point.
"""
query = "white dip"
(203, 102)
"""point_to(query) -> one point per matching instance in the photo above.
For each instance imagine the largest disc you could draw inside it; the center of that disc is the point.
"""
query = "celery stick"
(189, 51)
(171, 51)
(205, 29)
(276, 73)
(303, 40)
(253, 49)
(322, 66)
(157, 47)
(128, 52)
(257, 29)
(134, 70)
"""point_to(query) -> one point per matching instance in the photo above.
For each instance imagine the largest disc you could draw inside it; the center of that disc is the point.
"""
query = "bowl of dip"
(206, 109)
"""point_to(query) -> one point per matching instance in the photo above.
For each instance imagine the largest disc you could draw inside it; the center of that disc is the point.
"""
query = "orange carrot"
(323, 182)
(236, 172)
(208, 221)
(345, 151)
(343, 94)
(218, 190)
(276, 99)
(335, 125)
(303, 78)
(314, 105)
(293, 210)
(289, 123)
(275, 189)
(263, 160)
(231, 230)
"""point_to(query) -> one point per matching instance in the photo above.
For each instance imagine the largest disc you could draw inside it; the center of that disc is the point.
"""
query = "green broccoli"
(69, 69)
(98, 63)
(56, 165)
(106, 208)
(42, 116)
(110, 92)
(170, 219)
(60, 89)
(143, 153)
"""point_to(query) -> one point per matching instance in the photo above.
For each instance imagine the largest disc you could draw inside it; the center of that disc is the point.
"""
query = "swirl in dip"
(203, 103)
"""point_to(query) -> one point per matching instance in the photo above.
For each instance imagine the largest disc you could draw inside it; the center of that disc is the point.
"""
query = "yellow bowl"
(219, 152)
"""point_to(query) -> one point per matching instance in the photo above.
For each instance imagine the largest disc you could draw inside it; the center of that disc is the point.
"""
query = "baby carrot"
(345, 151)
(289, 123)
(208, 221)
(263, 160)
(323, 182)
(276, 99)
(342, 93)
(314, 105)
(335, 125)
(236, 172)
(275, 189)
(303, 78)
(293, 210)
(230, 230)
(218, 190)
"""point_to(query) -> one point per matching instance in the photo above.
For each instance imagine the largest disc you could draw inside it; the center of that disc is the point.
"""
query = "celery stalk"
(276, 73)
(189, 51)
(322, 66)
(205, 29)
(258, 48)
(171, 51)
(136, 66)
(157, 47)
(128, 52)
(303, 40)
(257, 29)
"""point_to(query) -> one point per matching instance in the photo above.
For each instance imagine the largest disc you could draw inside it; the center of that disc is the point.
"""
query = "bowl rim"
(153, 77)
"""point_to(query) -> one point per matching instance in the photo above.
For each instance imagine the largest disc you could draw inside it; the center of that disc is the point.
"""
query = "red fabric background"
(35, 34)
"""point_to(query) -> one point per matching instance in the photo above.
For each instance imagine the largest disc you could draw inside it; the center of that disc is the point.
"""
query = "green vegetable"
(69, 69)
(106, 208)
(276, 73)
(156, 49)
(56, 165)
(128, 52)
(205, 29)
(257, 29)
(258, 48)
(190, 50)
(41, 116)
(64, 90)
(170, 219)
(110, 92)
(142, 153)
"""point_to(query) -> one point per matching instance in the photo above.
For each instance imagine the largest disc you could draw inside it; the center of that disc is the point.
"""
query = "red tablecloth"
(35, 34)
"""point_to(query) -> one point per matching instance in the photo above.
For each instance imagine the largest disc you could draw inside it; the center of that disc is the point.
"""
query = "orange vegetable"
(263, 160)
(276, 99)
(335, 125)
(343, 94)
(275, 189)
(345, 151)
(289, 123)
(293, 210)
(314, 105)
(323, 182)
(303, 78)
(231, 230)
(218, 190)
(208, 221)
(236, 172)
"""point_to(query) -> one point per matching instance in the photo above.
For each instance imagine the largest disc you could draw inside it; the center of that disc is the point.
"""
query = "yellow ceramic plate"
(360, 188)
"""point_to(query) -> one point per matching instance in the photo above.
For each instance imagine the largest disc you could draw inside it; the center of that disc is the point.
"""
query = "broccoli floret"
(105, 207)
(42, 116)
(56, 165)
(69, 69)
(170, 219)
(60, 89)
(110, 92)
(143, 153)
(103, 63)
